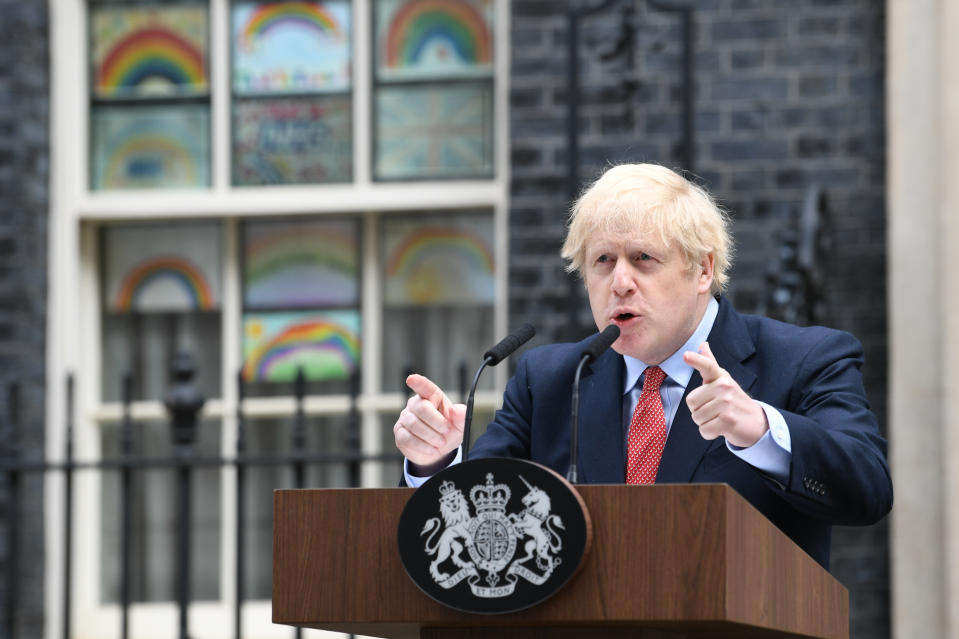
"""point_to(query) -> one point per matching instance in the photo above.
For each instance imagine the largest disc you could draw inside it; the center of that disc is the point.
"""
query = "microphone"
(596, 347)
(492, 357)
(509, 344)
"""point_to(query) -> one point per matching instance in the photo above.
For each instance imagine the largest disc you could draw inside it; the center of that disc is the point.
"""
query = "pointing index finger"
(429, 391)
(704, 362)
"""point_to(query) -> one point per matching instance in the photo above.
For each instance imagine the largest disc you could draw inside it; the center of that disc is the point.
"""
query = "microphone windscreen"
(509, 344)
(598, 345)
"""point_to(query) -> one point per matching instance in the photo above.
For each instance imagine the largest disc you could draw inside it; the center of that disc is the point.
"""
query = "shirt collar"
(675, 368)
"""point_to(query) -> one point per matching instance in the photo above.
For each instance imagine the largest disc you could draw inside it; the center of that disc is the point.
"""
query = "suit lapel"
(731, 345)
(601, 457)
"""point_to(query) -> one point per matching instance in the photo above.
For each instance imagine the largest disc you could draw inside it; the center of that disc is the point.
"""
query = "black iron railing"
(184, 404)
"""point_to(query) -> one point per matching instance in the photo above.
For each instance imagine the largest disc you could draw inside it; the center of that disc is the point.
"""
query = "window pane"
(293, 141)
(291, 47)
(433, 90)
(439, 261)
(149, 51)
(300, 49)
(438, 296)
(301, 264)
(433, 38)
(301, 300)
(150, 147)
(325, 345)
(161, 294)
(154, 512)
(434, 131)
(153, 267)
(150, 121)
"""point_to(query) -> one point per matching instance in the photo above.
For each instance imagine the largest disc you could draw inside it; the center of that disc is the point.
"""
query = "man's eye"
(602, 259)
(644, 256)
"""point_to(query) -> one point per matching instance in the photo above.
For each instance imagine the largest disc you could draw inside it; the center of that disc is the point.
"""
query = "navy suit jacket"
(838, 471)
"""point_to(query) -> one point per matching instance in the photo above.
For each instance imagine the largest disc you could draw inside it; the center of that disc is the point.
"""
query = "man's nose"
(623, 282)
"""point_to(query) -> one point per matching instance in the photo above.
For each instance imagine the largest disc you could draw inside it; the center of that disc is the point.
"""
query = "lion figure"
(456, 518)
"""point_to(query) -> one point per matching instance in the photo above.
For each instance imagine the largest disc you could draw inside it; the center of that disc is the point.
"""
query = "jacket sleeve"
(838, 470)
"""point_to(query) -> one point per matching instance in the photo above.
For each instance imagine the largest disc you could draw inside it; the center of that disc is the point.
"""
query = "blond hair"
(632, 198)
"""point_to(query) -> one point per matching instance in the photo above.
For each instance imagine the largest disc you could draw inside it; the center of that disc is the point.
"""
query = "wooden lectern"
(666, 561)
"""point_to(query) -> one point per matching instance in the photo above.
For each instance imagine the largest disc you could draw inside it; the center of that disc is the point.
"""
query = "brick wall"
(24, 172)
(788, 93)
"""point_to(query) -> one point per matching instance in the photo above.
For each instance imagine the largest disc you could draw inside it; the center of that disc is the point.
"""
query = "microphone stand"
(469, 406)
(492, 357)
(571, 474)
(596, 347)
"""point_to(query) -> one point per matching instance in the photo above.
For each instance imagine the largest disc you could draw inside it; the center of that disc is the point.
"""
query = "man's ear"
(705, 268)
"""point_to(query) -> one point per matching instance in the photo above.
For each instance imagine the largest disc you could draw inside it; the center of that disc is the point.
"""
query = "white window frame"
(73, 347)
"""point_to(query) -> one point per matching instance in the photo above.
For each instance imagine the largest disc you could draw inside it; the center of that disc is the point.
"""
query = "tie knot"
(653, 380)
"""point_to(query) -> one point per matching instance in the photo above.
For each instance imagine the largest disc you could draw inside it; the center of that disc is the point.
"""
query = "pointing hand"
(430, 426)
(720, 407)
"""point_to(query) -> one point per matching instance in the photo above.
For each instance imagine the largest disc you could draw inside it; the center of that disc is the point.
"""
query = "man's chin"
(631, 347)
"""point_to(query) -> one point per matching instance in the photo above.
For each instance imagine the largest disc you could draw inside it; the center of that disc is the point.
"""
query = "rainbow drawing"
(440, 265)
(455, 26)
(150, 147)
(148, 56)
(299, 264)
(149, 159)
(324, 347)
(181, 271)
(424, 243)
(276, 16)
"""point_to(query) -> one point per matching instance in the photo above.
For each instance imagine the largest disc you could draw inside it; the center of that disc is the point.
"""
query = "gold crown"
(491, 497)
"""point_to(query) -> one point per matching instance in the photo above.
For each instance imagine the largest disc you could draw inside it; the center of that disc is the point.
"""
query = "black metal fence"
(184, 404)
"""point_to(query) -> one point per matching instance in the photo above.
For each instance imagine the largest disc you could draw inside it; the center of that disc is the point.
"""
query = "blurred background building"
(349, 191)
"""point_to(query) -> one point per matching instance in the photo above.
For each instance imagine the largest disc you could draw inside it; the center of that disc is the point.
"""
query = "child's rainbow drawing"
(161, 268)
(276, 16)
(141, 52)
(301, 264)
(326, 345)
(164, 281)
(291, 47)
(153, 147)
(440, 264)
(435, 37)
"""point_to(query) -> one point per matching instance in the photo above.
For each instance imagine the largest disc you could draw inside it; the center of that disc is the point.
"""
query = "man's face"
(648, 290)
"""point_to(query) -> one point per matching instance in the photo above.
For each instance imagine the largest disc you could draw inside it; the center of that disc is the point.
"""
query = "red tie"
(647, 431)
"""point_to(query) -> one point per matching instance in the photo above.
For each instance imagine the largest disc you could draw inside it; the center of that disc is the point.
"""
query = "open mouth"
(622, 317)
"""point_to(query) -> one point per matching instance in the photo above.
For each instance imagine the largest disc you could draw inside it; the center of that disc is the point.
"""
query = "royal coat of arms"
(483, 547)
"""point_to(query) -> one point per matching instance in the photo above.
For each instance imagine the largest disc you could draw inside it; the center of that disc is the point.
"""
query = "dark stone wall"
(788, 93)
(24, 175)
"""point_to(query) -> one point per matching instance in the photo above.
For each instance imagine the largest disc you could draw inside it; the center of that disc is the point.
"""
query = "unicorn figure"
(536, 522)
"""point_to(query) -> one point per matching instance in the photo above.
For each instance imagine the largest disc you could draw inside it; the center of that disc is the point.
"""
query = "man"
(774, 410)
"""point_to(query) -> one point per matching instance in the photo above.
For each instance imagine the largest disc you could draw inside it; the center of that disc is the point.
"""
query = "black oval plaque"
(493, 535)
